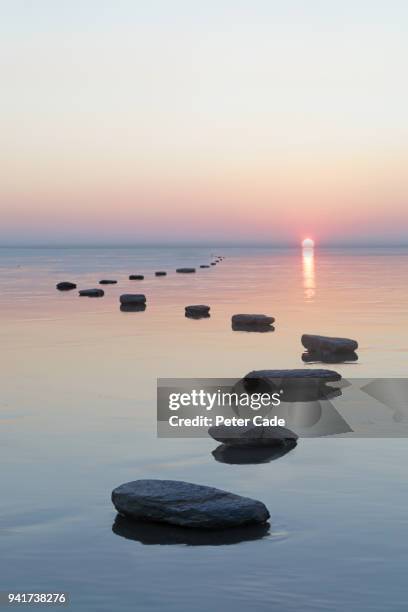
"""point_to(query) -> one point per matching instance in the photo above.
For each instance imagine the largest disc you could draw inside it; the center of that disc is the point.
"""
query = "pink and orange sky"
(223, 121)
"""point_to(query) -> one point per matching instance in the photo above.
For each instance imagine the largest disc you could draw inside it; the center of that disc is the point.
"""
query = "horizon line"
(85, 245)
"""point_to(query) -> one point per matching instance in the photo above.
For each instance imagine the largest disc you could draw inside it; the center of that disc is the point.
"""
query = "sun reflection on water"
(309, 282)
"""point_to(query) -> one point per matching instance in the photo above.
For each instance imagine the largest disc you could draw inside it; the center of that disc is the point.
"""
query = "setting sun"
(308, 243)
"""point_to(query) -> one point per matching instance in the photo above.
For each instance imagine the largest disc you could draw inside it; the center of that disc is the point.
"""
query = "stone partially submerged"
(132, 299)
(197, 311)
(185, 270)
(251, 455)
(253, 319)
(136, 277)
(66, 286)
(160, 273)
(296, 385)
(328, 343)
(107, 281)
(92, 292)
(252, 435)
(252, 322)
(186, 504)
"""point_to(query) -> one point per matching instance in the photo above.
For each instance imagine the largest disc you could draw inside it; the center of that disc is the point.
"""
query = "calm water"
(77, 418)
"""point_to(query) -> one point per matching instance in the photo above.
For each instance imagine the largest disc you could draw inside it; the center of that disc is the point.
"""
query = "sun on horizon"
(308, 243)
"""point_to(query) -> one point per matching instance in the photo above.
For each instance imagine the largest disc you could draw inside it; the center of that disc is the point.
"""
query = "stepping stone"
(186, 504)
(252, 322)
(185, 270)
(204, 266)
(197, 311)
(298, 374)
(106, 281)
(213, 263)
(132, 299)
(252, 435)
(251, 455)
(136, 277)
(160, 273)
(298, 385)
(253, 319)
(327, 343)
(92, 292)
(66, 286)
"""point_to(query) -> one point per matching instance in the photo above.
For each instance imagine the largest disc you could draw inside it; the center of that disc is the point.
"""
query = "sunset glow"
(308, 243)
(244, 122)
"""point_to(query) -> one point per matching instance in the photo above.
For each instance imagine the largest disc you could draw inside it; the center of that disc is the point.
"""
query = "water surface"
(77, 416)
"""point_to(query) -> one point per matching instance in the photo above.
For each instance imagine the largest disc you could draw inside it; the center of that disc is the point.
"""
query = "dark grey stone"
(186, 504)
(252, 319)
(252, 436)
(136, 277)
(327, 343)
(303, 374)
(132, 298)
(106, 281)
(185, 270)
(198, 310)
(92, 292)
(251, 455)
(66, 286)
(160, 273)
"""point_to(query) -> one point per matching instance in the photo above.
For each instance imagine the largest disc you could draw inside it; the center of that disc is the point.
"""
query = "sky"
(224, 121)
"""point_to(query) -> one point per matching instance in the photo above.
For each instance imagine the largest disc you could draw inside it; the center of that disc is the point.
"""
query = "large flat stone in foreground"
(186, 504)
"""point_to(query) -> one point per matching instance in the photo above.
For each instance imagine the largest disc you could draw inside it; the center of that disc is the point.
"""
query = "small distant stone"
(160, 273)
(92, 292)
(328, 343)
(186, 504)
(252, 435)
(185, 270)
(204, 266)
(132, 298)
(198, 311)
(136, 277)
(106, 281)
(66, 286)
(213, 263)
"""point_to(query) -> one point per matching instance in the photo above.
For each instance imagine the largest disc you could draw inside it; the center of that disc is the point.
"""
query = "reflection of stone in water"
(303, 414)
(308, 273)
(314, 419)
(247, 456)
(329, 357)
(247, 327)
(133, 307)
(158, 533)
(190, 315)
(392, 393)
